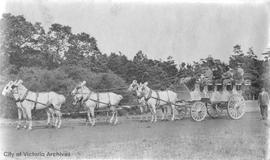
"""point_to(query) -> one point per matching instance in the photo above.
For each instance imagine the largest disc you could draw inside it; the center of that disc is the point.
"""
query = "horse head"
(8, 88)
(79, 93)
(143, 90)
(18, 89)
(133, 86)
(15, 88)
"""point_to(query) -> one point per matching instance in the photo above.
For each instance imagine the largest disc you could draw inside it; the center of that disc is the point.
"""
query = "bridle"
(15, 91)
(134, 88)
(81, 99)
(143, 94)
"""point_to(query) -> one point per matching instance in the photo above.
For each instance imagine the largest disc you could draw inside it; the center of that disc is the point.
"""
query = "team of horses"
(51, 102)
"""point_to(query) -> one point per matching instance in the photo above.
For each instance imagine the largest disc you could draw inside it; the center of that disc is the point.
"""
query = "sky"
(186, 31)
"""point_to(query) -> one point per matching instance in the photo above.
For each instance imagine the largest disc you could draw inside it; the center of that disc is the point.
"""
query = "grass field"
(220, 138)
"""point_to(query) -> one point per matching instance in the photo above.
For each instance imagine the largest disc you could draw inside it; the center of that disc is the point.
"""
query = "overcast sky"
(185, 31)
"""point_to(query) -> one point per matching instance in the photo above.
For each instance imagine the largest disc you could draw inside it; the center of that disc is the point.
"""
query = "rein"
(24, 96)
(157, 98)
(30, 100)
(98, 99)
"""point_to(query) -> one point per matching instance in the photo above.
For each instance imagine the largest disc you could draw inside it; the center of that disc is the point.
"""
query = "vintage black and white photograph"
(115, 79)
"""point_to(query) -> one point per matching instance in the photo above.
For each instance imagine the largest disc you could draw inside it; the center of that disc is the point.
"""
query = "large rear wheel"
(236, 106)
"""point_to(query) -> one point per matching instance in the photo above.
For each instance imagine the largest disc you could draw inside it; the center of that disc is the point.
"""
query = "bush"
(63, 80)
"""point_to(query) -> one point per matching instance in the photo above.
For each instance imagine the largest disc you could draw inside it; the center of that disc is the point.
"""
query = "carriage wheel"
(236, 106)
(181, 110)
(213, 110)
(198, 111)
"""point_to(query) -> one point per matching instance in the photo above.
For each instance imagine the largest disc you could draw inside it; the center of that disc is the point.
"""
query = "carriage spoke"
(236, 106)
(198, 111)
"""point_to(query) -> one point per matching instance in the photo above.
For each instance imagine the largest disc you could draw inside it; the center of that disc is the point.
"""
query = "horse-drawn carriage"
(211, 99)
(208, 97)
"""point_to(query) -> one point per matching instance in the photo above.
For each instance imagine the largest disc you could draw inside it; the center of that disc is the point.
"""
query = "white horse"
(156, 99)
(29, 101)
(133, 88)
(21, 115)
(91, 100)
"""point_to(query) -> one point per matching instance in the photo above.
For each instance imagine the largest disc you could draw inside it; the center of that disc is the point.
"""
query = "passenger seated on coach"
(216, 74)
(227, 77)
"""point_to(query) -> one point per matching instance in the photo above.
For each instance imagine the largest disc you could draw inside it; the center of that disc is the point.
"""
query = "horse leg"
(53, 119)
(89, 118)
(155, 114)
(48, 117)
(152, 114)
(56, 119)
(24, 118)
(163, 113)
(116, 117)
(60, 119)
(107, 117)
(172, 111)
(92, 111)
(19, 118)
(29, 118)
(113, 114)
(141, 110)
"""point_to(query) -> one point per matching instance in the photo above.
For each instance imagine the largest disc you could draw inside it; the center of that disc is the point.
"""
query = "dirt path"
(183, 139)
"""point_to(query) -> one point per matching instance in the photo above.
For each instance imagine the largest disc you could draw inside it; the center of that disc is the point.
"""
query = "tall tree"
(58, 41)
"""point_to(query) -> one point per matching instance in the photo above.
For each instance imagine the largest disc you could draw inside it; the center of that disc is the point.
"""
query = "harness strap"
(88, 96)
(158, 99)
(97, 104)
(35, 103)
(149, 95)
(109, 99)
(169, 101)
(24, 96)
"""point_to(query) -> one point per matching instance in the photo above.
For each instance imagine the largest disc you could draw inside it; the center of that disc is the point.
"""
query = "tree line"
(57, 59)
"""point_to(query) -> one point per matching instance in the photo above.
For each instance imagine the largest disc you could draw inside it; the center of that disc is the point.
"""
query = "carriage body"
(212, 99)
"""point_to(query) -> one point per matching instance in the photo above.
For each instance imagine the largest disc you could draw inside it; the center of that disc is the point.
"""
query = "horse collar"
(88, 96)
(36, 101)
(24, 96)
(149, 95)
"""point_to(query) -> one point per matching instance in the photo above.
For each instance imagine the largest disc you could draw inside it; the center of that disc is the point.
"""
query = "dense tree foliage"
(57, 59)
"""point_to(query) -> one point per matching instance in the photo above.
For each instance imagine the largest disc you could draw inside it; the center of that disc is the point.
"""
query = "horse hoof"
(25, 127)
(29, 129)
(18, 127)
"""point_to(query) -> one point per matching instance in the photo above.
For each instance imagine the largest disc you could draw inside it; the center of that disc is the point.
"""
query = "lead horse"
(156, 99)
(51, 101)
(92, 101)
(133, 88)
(21, 114)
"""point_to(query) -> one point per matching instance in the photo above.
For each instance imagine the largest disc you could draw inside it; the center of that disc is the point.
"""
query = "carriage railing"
(211, 87)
